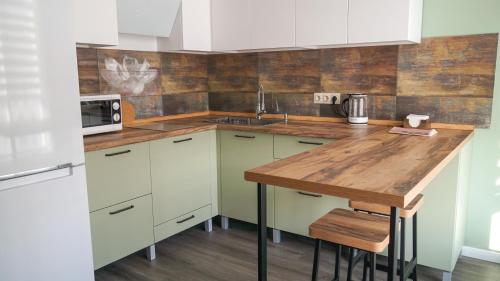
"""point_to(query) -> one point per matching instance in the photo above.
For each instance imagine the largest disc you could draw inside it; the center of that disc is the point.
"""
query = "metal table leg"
(262, 232)
(393, 245)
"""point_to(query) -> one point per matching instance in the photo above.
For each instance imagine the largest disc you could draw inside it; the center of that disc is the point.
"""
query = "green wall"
(460, 17)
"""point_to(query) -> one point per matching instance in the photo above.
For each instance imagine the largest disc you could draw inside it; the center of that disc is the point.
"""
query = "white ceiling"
(147, 17)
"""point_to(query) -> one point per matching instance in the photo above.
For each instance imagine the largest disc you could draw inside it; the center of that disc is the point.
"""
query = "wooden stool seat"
(352, 229)
(407, 212)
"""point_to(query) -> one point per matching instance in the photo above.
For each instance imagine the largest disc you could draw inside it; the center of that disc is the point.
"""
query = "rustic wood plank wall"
(449, 78)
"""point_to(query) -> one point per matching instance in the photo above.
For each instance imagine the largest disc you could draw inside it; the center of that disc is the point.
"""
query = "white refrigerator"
(44, 216)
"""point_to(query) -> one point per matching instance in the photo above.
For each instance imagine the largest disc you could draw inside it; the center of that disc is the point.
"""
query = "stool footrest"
(409, 267)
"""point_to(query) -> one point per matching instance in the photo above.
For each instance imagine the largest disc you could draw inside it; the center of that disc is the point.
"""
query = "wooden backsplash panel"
(449, 78)
(184, 103)
(232, 101)
(289, 71)
(140, 107)
(145, 82)
(233, 73)
(449, 66)
(183, 73)
(455, 110)
(88, 72)
(368, 70)
(152, 58)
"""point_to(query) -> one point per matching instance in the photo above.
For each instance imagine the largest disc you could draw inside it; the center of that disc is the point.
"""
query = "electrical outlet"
(327, 98)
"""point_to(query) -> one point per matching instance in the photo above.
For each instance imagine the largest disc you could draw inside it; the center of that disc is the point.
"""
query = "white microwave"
(101, 114)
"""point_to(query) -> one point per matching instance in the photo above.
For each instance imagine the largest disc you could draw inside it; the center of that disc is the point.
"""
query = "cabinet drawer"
(286, 146)
(121, 230)
(296, 210)
(182, 223)
(180, 174)
(117, 174)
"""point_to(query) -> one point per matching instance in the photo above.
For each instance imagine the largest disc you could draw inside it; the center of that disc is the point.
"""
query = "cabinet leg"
(276, 236)
(224, 222)
(208, 225)
(446, 276)
(151, 252)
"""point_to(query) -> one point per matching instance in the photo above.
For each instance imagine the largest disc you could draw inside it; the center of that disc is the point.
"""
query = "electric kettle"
(355, 109)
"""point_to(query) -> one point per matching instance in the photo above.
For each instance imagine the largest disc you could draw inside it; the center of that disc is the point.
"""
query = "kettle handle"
(345, 107)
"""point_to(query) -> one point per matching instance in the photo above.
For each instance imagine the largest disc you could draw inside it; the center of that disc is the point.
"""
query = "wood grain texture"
(153, 58)
(457, 66)
(183, 73)
(197, 123)
(232, 101)
(351, 167)
(184, 103)
(132, 135)
(233, 73)
(129, 89)
(88, 73)
(292, 103)
(406, 212)
(453, 110)
(289, 71)
(140, 107)
(367, 70)
(353, 229)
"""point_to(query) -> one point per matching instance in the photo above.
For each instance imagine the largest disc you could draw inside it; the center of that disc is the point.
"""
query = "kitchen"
(249, 140)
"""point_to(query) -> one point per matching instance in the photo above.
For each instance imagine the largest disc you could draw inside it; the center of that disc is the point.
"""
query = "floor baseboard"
(481, 254)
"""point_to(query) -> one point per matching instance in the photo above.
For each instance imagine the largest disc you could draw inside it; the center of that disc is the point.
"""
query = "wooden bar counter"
(382, 168)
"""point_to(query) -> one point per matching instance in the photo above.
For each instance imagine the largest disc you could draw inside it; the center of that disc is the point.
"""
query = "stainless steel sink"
(243, 121)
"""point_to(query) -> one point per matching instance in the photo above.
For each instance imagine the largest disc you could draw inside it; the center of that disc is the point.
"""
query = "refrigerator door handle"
(34, 176)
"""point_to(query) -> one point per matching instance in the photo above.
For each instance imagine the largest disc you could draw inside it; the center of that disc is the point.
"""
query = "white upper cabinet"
(253, 24)
(148, 18)
(321, 22)
(384, 22)
(231, 25)
(273, 24)
(96, 22)
(191, 30)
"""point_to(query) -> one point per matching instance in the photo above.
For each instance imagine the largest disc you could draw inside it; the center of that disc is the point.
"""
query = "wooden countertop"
(380, 168)
(198, 124)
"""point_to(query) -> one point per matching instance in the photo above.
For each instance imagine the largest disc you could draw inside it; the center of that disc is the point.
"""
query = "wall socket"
(326, 98)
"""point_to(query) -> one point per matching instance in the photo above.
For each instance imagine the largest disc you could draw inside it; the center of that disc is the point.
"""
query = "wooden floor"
(231, 255)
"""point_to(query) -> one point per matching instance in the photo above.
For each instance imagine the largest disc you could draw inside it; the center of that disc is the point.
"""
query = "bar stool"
(356, 230)
(405, 270)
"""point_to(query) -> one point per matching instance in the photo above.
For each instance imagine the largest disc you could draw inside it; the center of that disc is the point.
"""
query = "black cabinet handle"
(122, 210)
(178, 141)
(118, 153)
(311, 142)
(186, 219)
(309, 194)
(245, 137)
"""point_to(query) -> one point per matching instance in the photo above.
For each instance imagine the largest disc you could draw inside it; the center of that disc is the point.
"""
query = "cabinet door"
(180, 175)
(121, 230)
(231, 25)
(296, 210)
(273, 24)
(384, 21)
(285, 146)
(241, 151)
(321, 22)
(117, 174)
(96, 22)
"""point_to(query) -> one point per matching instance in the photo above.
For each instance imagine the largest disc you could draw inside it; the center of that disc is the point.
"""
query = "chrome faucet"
(261, 104)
